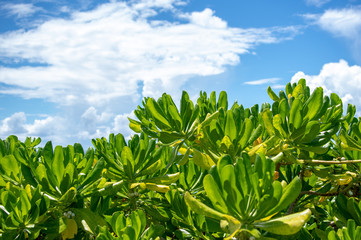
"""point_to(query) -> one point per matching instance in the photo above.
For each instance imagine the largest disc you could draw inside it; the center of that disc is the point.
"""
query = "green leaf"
(348, 142)
(286, 225)
(214, 194)
(202, 160)
(230, 128)
(311, 131)
(222, 101)
(272, 94)
(94, 174)
(173, 111)
(298, 91)
(283, 110)
(170, 137)
(158, 114)
(295, 118)
(135, 125)
(289, 195)
(314, 104)
(267, 120)
(201, 208)
(58, 164)
(10, 166)
(166, 179)
(128, 161)
(277, 123)
(248, 129)
(88, 220)
(209, 118)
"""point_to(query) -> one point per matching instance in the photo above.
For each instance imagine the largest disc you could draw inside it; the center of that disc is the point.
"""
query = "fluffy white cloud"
(337, 77)
(103, 53)
(342, 22)
(95, 64)
(48, 127)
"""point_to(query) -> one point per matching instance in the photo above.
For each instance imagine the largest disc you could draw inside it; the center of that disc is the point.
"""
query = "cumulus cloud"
(103, 53)
(94, 64)
(337, 77)
(50, 128)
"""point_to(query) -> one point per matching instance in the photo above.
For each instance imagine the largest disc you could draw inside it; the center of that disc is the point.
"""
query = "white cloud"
(95, 64)
(13, 124)
(20, 10)
(205, 18)
(104, 52)
(342, 22)
(263, 81)
(337, 77)
(48, 127)
(317, 3)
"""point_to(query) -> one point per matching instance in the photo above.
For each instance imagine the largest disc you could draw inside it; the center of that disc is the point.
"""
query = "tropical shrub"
(289, 169)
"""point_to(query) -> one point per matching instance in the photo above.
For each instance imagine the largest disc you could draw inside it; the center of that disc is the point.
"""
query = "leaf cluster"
(197, 170)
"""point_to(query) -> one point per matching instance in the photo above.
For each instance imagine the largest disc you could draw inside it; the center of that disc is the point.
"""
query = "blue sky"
(71, 71)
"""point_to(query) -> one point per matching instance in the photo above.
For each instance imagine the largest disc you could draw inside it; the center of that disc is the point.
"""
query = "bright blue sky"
(71, 71)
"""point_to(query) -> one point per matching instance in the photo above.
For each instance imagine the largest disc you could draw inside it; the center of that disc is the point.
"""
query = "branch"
(330, 162)
(320, 194)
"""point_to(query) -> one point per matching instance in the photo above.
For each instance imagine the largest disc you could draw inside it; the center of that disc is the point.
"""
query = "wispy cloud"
(20, 10)
(262, 81)
(93, 61)
(317, 3)
(341, 22)
(344, 23)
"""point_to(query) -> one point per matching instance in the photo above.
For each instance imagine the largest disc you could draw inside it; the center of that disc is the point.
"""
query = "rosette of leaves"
(232, 131)
(23, 212)
(245, 197)
(62, 175)
(13, 157)
(131, 227)
(161, 119)
(189, 224)
(140, 165)
(350, 231)
(302, 121)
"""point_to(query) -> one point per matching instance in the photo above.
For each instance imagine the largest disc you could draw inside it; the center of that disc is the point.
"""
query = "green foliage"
(289, 169)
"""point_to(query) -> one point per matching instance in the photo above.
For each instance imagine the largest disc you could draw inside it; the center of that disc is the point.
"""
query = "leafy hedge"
(204, 170)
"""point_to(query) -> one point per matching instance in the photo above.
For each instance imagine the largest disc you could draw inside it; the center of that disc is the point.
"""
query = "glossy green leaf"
(272, 94)
(295, 118)
(230, 128)
(277, 123)
(267, 120)
(88, 220)
(58, 163)
(311, 131)
(157, 114)
(286, 225)
(314, 104)
(214, 194)
(289, 194)
(202, 160)
(222, 101)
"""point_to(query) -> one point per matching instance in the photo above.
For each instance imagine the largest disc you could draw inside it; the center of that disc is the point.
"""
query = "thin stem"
(311, 161)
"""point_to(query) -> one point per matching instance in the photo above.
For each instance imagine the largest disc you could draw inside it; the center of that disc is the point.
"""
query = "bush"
(284, 170)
